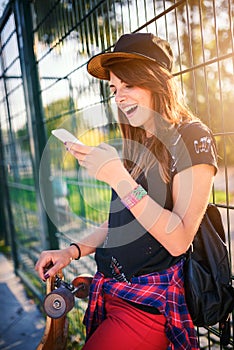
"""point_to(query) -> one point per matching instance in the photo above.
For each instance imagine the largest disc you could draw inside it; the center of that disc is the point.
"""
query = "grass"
(89, 199)
(92, 203)
(5, 249)
(221, 198)
(76, 334)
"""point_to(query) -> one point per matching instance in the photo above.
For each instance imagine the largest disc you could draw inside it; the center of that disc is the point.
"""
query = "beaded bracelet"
(78, 248)
(134, 197)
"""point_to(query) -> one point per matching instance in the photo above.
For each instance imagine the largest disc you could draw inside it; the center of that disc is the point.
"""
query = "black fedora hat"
(144, 46)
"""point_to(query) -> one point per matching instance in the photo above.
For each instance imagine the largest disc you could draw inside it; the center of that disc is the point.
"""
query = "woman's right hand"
(51, 261)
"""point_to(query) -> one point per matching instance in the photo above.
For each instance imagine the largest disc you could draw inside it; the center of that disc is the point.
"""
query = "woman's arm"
(175, 230)
(191, 189)
(59, 259)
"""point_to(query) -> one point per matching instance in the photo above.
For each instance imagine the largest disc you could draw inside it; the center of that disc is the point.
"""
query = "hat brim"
(96, 65)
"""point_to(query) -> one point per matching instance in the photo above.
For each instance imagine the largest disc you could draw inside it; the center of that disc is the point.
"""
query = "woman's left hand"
(101, 162)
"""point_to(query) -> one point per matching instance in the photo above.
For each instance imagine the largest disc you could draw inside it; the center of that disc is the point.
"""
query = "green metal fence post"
(7, 229)
(34, 109)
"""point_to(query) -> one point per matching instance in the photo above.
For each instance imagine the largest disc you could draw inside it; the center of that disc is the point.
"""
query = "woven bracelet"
(134, 197)
(78, 248)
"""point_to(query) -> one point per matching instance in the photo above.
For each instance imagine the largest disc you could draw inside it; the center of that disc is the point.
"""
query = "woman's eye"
(112, 92)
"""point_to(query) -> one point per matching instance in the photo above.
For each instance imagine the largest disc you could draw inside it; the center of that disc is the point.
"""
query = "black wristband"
(78, 248)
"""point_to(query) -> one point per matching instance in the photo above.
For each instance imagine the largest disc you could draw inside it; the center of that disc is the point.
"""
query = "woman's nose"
(119, 96)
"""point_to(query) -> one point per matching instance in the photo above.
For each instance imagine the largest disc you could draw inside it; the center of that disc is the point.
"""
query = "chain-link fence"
(44, 46)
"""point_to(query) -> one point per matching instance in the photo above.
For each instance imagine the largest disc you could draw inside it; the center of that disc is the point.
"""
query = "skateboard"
(59, 300)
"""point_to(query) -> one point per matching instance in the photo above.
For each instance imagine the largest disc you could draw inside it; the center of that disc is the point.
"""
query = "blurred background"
(47, 200)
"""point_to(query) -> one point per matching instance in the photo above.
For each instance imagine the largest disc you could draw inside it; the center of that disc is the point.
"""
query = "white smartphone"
(65, 136)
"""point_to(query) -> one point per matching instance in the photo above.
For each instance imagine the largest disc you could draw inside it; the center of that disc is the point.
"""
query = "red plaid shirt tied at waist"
(163, 290)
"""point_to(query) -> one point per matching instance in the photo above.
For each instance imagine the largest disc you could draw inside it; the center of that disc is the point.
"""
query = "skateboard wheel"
(59, 302)
(82, 283)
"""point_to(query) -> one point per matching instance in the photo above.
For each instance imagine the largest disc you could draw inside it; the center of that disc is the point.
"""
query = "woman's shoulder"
(196, 134)
(195, 145)
(196, 127)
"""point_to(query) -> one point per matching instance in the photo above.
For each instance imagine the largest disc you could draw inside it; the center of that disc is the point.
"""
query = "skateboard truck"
(62, 299)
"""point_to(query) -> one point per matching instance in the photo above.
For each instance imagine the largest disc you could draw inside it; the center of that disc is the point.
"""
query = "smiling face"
(136, 103)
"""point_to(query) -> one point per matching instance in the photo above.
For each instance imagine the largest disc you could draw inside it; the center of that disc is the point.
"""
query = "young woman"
(158, 200)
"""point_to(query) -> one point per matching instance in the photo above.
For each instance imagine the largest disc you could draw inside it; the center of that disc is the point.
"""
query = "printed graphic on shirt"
(105, 241)
(173, 152)
(202, 145)
(116, 270)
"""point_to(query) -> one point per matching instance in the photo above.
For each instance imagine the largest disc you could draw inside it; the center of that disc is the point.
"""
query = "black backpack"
(207, 278)
(207, 275)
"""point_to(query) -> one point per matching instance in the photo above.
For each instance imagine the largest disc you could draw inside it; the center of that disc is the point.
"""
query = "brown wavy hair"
(166, 102)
